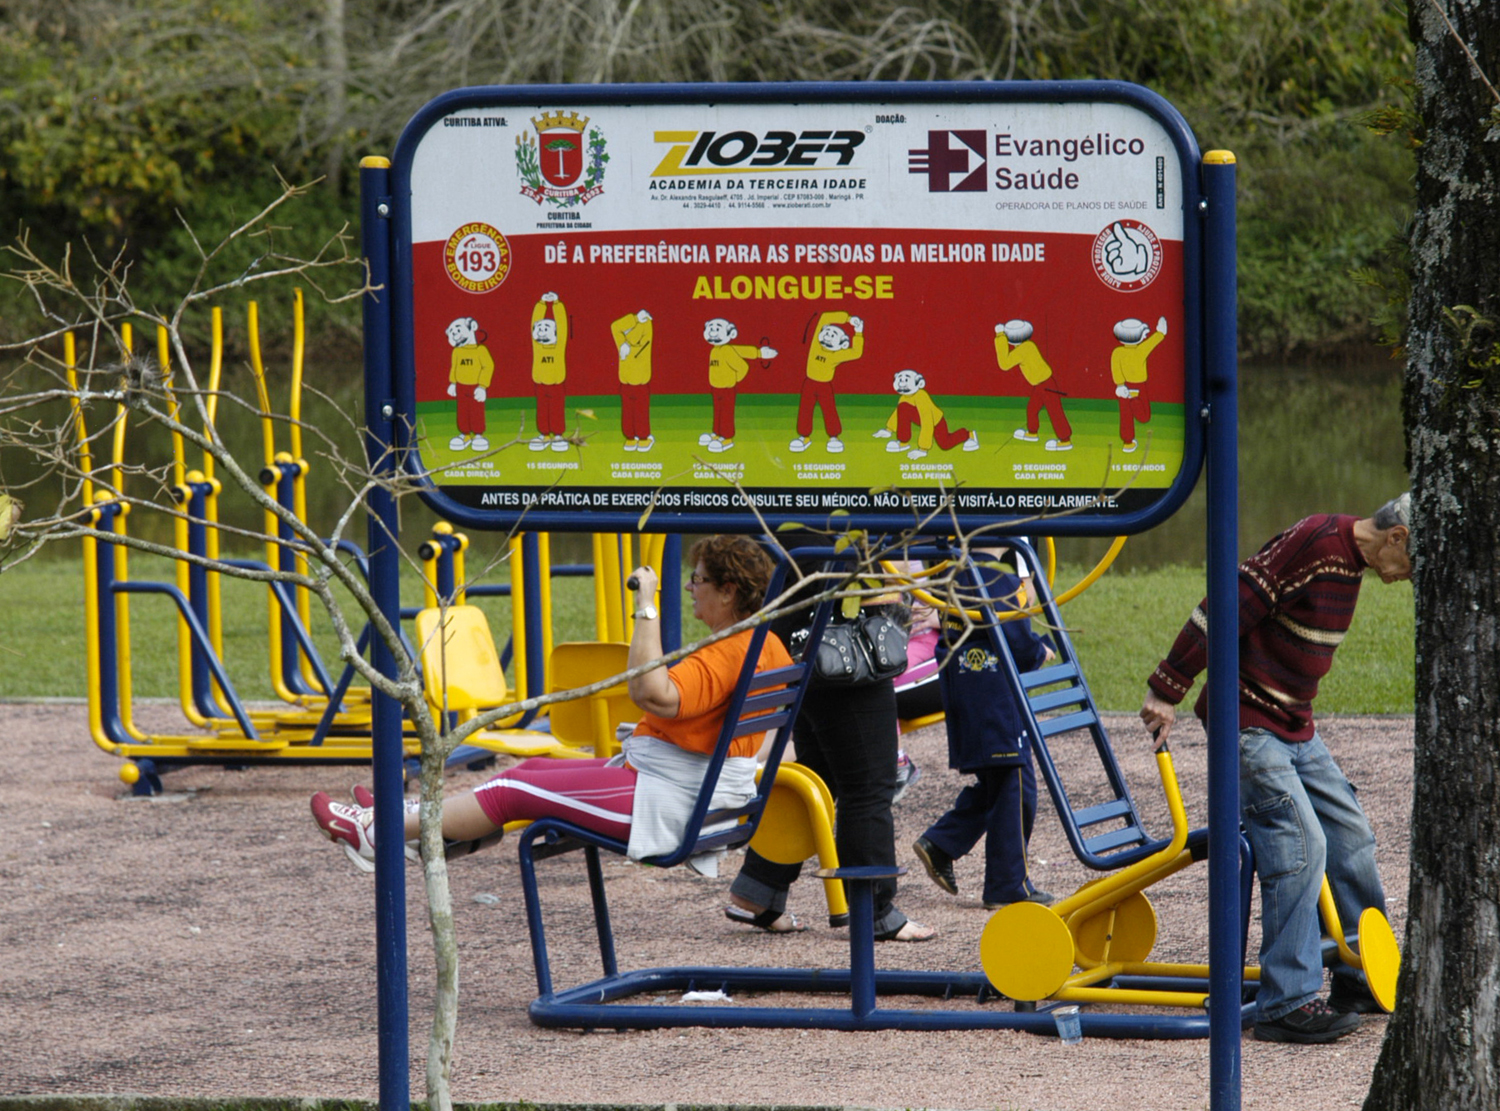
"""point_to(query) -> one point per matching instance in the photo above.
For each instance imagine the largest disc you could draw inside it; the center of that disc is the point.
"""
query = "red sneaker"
(349, 826)
(364, 797)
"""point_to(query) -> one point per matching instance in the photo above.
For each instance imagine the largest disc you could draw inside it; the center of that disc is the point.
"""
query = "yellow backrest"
(590, 722)
(464, 655)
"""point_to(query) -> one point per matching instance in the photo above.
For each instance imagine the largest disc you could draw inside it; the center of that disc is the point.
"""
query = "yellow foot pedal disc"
(1123, 932)
(1026, 951)
(1380, 955)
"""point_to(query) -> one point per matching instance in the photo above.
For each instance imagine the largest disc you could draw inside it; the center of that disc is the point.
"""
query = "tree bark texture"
(440, 918)
(1442, 1047)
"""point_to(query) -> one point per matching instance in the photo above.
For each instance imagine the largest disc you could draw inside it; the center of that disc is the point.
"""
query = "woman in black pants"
(848, 736)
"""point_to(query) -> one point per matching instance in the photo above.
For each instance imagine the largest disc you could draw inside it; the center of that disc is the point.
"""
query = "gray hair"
(1395, 512)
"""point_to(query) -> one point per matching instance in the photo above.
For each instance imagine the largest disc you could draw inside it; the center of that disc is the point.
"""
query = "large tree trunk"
(1442, 1048)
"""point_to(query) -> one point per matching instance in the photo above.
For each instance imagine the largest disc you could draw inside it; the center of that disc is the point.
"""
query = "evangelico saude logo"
(564, 162)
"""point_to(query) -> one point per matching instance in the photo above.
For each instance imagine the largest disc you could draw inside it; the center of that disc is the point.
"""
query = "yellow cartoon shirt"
(728, 365)
(635, 368)
(549, 365)
(1024, 355)
(927, 412)
(471, 365)
(821, 362)
(1127, 363)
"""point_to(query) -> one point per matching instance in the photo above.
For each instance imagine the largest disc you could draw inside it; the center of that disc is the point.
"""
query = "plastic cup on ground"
(1069, 1025)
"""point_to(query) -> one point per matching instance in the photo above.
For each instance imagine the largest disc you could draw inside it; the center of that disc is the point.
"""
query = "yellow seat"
(797, 824)
(460, 669)
(911, 725)
(461, 672)
(590, 722)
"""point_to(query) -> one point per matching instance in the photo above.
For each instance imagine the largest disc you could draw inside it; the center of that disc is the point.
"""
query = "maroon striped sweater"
(1297, 597)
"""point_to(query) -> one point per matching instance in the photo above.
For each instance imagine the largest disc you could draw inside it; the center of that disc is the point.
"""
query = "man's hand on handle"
(1159, 716)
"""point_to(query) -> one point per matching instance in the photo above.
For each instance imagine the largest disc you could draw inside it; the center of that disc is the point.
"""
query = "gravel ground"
(208, 943)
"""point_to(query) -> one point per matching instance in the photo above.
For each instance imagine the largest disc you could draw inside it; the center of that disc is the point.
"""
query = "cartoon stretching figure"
(469, 374)
(1044, 391)
(549, 369)
(916, 407)
(727, 367)
(832, 348)
(1127, 365)
(633, 333)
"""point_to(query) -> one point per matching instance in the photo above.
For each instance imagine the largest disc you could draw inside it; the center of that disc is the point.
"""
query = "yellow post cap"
(1219, 158)
(374, 162)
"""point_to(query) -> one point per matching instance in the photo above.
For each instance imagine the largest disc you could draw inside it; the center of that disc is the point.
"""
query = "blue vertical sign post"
(385, 568)
(1221, 409)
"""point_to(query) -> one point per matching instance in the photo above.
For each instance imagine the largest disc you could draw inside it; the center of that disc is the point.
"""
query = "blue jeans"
(1302, 818)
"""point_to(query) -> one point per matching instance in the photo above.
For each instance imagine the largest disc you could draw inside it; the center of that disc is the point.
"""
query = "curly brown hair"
(736, 562)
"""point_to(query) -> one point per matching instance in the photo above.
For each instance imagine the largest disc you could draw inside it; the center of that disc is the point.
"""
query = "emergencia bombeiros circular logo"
(477, 257)
(1127, 255)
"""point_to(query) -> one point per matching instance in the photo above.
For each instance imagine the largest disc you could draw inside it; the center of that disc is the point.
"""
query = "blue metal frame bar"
(384, 572)
(1221, 414)
(285, 475)
(197, 540)
(671, 593)
(336, 699)
(291, 625)
(108, 638)
(592, 1006)
(200, 640)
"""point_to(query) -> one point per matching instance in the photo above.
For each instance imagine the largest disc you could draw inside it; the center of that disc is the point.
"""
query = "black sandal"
(764, 920)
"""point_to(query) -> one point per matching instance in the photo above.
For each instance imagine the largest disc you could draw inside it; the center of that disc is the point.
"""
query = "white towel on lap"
(667, 785)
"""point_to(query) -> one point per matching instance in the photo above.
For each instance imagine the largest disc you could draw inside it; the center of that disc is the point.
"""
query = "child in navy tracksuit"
(987, 738)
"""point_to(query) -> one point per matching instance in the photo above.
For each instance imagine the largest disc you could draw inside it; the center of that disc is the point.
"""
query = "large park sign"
(841, 299)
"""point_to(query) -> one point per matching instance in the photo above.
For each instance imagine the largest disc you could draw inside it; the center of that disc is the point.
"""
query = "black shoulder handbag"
(868, 649)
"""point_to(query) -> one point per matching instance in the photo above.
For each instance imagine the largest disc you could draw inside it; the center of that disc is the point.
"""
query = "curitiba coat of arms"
(558, 164)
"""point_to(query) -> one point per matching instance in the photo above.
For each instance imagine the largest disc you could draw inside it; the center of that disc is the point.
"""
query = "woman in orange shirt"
(644, 795)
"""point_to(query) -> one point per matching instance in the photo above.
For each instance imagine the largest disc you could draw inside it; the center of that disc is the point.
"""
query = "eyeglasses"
(696, 579)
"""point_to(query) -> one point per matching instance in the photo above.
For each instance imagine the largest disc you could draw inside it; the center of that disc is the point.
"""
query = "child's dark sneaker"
(1312, 1023)
(939, 864)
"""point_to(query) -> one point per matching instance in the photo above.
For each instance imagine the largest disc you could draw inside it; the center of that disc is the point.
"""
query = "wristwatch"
(647, 612)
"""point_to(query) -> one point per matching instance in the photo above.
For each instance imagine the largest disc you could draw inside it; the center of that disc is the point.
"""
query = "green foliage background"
(1121, 627)
(123, 122)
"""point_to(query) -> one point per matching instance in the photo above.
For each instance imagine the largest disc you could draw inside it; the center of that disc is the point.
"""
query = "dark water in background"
(1311, 440)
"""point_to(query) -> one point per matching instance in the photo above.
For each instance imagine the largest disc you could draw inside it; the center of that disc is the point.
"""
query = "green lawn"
(42, 629)
(1121, 626)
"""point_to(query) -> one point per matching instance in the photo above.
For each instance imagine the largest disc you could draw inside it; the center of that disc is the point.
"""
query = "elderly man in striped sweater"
(1296, 601)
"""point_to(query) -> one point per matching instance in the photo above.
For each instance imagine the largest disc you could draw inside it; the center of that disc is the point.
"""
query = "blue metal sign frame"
(1211, 423)
(1132, 510)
